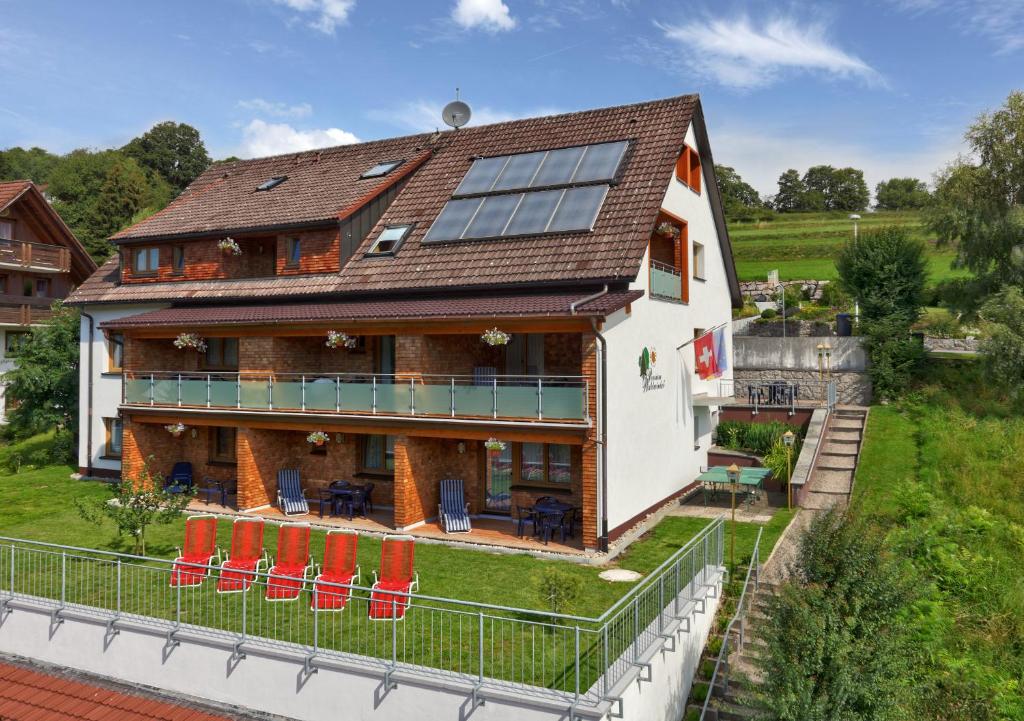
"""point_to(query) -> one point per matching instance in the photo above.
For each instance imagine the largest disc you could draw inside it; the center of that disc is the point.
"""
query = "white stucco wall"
(652, 451)
(106, 385)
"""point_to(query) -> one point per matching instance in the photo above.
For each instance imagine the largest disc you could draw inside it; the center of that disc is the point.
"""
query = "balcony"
(37, 257)
(557, 399)
(24, 310)
(666, 281)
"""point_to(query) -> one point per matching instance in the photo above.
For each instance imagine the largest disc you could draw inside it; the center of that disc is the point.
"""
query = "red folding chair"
(195, 556)
(396, 578)
(291, 564)
(331, 586)
(240, 568)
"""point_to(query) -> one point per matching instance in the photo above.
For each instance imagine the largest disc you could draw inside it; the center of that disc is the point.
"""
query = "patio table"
(717, 476)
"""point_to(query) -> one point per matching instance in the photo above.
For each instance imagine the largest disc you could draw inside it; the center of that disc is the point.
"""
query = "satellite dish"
(456, 114)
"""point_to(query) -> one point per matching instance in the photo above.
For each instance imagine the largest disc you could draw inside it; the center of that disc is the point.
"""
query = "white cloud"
(490, 15)
(424, 115)
(278, 110)
(739, 54)
(327, 14)
(261, 138)
(998, 20)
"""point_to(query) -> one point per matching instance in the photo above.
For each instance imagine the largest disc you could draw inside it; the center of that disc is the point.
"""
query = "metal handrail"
(665, 267)
(723, 652)
(405, 376)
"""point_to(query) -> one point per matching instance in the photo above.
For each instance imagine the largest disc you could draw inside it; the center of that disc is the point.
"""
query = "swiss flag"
(706, 358)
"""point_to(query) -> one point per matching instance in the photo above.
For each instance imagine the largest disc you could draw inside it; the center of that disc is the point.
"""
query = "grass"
(941, 477)
(804, 245)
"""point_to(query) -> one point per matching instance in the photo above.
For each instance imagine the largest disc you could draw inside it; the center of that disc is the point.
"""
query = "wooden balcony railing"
(34, 256)
(20, 310)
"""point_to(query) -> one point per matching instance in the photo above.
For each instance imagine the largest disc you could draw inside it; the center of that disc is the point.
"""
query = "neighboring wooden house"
(546, 229)
(40, 261)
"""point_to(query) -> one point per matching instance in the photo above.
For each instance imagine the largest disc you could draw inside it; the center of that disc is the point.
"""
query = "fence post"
(453, 396)
(63, 577)
(540, 399)
(302, 386)
(179, 390)
(394, 631)
(480, 656)
(577, 663)
(118, 612)
(636, 628)
(604, 657)
(151, 382)
(412, 395)
(207, 390)
(494, 396)
(373, 396)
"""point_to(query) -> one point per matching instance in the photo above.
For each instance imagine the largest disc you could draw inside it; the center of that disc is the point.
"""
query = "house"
(41, 261)
(593, 242)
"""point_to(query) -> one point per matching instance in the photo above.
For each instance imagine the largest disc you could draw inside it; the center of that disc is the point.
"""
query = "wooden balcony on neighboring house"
(24, 310)
(36, 257)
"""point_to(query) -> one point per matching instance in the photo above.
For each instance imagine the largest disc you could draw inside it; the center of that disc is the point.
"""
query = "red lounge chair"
(340, 570)
(396, 575)
(240, 568)
(291, 565)
(193, 562)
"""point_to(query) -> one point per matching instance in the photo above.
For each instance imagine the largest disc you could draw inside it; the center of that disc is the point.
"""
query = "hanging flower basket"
(190, 341)
(495, 337)
(494, 447)
(317, 438)
(228, 246)
(340, 339)
(176, 429)
(667, 230)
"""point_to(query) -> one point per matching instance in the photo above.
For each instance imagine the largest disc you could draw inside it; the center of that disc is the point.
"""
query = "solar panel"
(481, 175)
(534, 213)
(453, 219)
(491, 219)
(519, 171)
(600, 162)
(558, 167)
(578, 209)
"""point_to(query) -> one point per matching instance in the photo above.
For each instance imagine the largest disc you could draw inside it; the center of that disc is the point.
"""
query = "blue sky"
(886, 85)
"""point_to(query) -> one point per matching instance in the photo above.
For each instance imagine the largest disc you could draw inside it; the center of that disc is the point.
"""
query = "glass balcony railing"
(666, 281)
(551, 398)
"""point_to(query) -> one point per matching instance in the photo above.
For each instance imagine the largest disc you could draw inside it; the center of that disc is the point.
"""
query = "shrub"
(895, 356)
(779, 461)
(769, 313)
(754, 437)
(699, 692)
(559, 589)
(39, 457)
(63, 448)
(833, 295)
(886, 271)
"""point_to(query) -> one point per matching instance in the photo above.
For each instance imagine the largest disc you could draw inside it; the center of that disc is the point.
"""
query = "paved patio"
(760, 511)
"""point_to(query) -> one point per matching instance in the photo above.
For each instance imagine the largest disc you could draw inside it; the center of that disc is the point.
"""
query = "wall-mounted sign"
(650, 379)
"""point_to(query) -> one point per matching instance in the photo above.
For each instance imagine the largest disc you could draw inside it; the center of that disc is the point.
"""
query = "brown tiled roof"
(29, 694)
(10, 191)
(500, 305)
(321, 186)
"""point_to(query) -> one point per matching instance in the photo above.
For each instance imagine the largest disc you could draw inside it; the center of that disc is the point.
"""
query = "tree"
(45, 379)
(173, 150)
(123, 194)
(34, 164)
(901, 194)
(1003, 348)
(736, 193)
(848, 191)
(838, 642)
(135, 505)
(791, 193)
(885, 270)
(895, 355)
(978, 201)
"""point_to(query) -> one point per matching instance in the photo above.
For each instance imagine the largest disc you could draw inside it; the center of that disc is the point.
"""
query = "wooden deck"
(487, 531)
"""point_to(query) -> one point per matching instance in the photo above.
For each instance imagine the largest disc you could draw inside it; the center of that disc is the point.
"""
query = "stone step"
(831, 480)
(844, 447)
(846, 424)
(728, 711)
(824, 501)
(849, 413)
(844, 435)
(845, 442)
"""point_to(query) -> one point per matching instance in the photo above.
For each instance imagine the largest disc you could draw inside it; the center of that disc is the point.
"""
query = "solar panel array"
(558, 191)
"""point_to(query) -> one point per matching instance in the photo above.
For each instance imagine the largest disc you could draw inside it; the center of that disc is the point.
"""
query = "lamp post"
(788, 438)
(821, 361)
(828, 361)
(854, 217)
(733, 472)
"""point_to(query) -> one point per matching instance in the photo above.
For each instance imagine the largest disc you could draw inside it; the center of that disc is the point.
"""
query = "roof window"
(272, 183)
(381, 169)
(389, 240)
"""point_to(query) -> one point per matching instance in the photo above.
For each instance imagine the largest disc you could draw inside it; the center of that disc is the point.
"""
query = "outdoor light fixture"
(461, 447)
(854, 217)
(733, 472)
(828, 360)
(789, 438)
(821, 360)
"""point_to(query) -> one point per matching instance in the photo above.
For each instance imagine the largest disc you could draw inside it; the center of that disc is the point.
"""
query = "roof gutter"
(583, 301)
(88, 403)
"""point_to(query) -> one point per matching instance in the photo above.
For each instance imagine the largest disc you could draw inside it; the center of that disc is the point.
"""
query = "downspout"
(88, 405)
(602, 421)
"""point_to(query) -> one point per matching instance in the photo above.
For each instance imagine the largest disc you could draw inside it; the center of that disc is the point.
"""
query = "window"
(3, 283)
(381, 169)
(146, 260)
(389, 240)
(115, 352)
(379, 454)
(559, 191)
(688, 169)
(271, 183)
(222, 445)
(698, 261)
(221, 354)
(42, 287)
(114, 436)
(6, 230)
(293, 251)
(27, 287)
(546, 463)
(13, 342)
(178, 259)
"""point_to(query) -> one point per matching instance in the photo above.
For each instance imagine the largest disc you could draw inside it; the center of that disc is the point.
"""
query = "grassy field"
(803, 245)
(941, 477)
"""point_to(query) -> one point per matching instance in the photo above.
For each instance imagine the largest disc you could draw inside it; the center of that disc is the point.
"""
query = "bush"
(834, 296)
(895, 356)
(63, 448)
(886, 271)
(754, 437)
(769, 313)
(559, 589)
(779, 461)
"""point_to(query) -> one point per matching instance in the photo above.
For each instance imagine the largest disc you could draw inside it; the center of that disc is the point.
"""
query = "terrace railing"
(553, 398)
(37, 256)
(577, 660)
(666, 281)
(778, 393)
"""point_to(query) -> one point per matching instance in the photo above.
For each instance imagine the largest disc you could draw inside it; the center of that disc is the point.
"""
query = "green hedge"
(754, 437)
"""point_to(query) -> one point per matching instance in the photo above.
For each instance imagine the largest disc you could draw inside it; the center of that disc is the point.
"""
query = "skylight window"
(272, 183)
(389, 240)
(549, 191)
(381, 169)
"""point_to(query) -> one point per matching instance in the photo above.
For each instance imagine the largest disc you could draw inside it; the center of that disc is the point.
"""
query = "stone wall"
(852, 388)
(794, 329)
(952, 344)
(762, 291)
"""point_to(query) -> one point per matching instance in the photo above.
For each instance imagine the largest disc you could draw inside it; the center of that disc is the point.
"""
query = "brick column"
(131, 456)
(257, 486)
(408, 509)
(591, 512)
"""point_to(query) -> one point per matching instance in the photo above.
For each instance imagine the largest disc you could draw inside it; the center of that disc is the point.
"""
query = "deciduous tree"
(173, 150)
(791, 193)
(901, 194)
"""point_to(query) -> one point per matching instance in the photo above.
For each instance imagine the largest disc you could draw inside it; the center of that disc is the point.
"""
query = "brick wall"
(459, 354)
(420, 465)
(144, 442)
(300, 354)
(157, 354)
(591, 513)
(262, 256)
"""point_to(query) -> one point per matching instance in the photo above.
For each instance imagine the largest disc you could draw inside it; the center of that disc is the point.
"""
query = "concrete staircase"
(832, 479)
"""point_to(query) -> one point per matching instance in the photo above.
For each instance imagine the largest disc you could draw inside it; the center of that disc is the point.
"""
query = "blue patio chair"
(290, 499)
(179, 480)
(453, 510)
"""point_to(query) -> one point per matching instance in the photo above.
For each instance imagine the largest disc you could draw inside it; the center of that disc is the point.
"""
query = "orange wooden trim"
(695, 171)
(683, 166)
(684, 263)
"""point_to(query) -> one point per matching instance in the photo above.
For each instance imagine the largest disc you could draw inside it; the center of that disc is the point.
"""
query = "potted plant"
(228, 246)
(176, 429)
(666, 230)
(495, 337)
(317, 438)
(494, 447)
(340, 339)
(190, 341)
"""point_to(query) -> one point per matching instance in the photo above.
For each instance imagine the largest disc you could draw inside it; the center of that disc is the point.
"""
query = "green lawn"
(941, 476)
